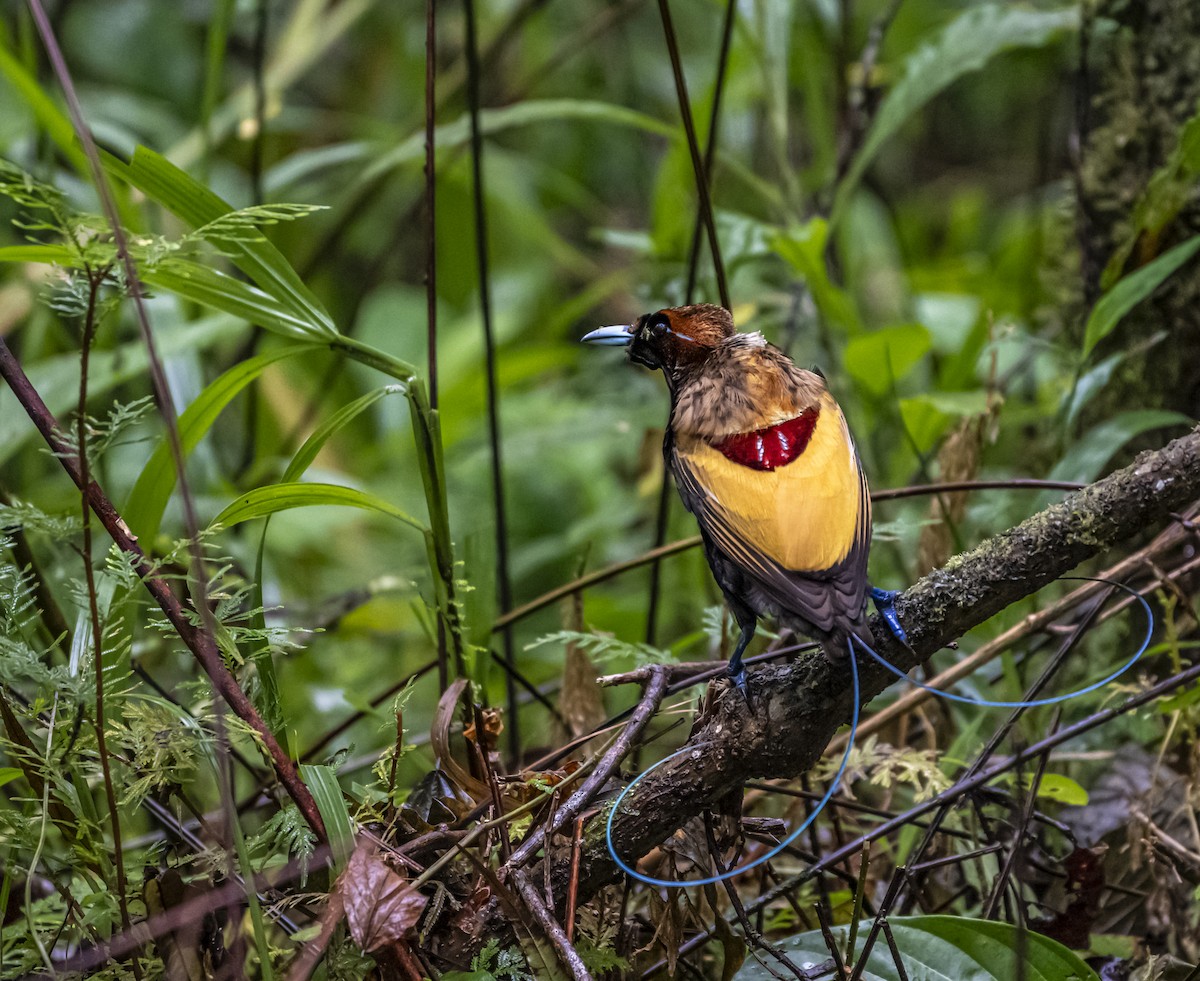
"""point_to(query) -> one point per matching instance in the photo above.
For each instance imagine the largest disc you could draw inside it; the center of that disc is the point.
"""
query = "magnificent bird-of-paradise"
(762, 456)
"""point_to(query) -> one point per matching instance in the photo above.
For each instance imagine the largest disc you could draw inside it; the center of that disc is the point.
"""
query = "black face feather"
(649, 339)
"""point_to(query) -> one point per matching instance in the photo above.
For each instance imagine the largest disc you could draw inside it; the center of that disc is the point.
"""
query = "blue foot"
(885, 603)
(737, 674)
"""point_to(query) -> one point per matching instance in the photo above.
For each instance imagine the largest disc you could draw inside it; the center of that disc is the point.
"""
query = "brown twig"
(599, 777)
(573, 884)
(306, 961)
(550, 926)
(839, 965)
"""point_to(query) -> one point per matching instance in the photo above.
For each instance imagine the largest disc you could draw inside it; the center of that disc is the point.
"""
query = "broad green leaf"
(339, 826)
(803, 248)
(1130, 291)
(220, 291)
(261, 656)
(1090, 384)
(941, 947)
(48, 254)
(965, 45)
(929, 415)
(52, 119)
(263, 501)
(1052, 786)
(878, 359)
(540, 956)
(57, 378)
(321, 435)
(1084, 461)
(148, 499)
(8, 774)
(195, 204)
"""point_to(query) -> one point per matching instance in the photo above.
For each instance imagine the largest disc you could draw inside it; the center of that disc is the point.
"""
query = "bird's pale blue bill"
(616, 336)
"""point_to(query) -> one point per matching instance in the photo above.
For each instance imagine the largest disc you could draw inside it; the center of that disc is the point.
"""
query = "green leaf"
(339, 826)
(57, 378)
(8, 774)
(196, 205)
(263, 501)
(48, 254)
(347, 413)
(1167, 192)
(965, 45)
(1181, 700)
(148, 499)
(803, 248)
(1089, 385)
(878, 359)
(1084, 461)
(942, 947)
(1130, 291)
(1053, 786)
(1064, 790)
(929, 415)
(52, 119)
(220, 291)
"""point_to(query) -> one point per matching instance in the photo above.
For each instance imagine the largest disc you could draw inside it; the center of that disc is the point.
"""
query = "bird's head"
(671, 339)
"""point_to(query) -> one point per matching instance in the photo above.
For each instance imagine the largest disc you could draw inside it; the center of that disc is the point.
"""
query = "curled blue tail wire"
(1035, 702)
(833, 784)
(765, 857)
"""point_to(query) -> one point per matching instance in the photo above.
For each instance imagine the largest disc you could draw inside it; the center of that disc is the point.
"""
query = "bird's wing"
(801, 530)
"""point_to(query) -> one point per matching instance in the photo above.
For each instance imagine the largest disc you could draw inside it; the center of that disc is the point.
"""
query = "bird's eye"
(660, 326)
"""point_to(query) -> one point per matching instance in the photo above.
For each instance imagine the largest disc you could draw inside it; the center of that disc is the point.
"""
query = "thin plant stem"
(216, 41)
(489, 348)
(258, 57)
(689, 128)
(431, 203)
(41, 842)
(662, 518)
(95, 279)
(443, 653)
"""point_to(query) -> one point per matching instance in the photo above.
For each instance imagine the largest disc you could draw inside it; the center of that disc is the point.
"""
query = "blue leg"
(885, 603)
(736, 670)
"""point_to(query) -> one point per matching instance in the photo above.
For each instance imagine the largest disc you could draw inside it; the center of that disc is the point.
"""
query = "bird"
(763, 458)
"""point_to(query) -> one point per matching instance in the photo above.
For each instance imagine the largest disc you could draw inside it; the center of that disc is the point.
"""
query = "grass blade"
(148, 499)
(263, 501)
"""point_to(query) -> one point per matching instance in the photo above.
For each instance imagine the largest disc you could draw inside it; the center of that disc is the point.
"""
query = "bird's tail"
(1032, 703)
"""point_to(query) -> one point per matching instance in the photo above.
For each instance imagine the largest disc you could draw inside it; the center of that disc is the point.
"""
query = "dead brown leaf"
(381, 905)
